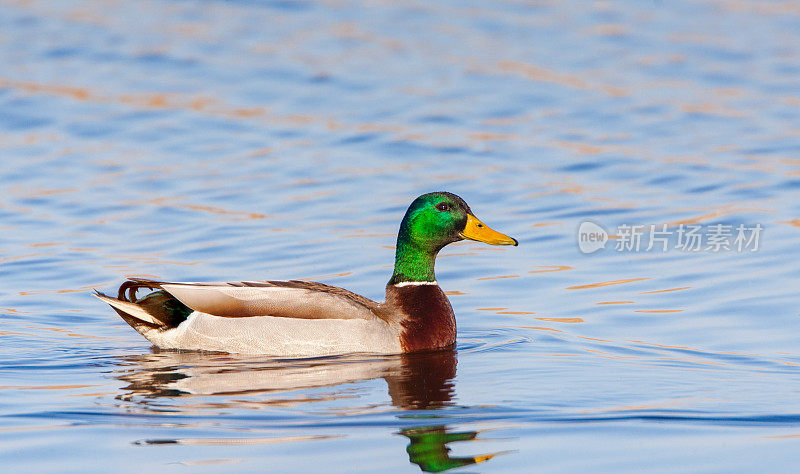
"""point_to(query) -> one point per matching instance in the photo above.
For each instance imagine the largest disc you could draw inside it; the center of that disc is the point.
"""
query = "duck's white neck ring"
(414, 283)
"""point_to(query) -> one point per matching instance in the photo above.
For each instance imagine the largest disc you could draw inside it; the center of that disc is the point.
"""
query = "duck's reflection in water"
(428, 448)
(416, 382)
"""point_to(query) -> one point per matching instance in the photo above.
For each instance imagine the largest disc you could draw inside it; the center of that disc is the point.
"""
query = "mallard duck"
(295, 318)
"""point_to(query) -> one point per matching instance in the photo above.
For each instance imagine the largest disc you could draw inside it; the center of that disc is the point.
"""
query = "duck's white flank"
(288, 337)
(414, 283)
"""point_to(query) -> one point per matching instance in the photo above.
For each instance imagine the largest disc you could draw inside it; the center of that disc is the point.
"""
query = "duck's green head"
(432, 221)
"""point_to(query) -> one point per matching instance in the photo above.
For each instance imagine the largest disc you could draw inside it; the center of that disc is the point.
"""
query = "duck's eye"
(443, 206)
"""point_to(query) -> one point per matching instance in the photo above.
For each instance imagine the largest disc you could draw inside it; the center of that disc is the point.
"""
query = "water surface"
(265, 140)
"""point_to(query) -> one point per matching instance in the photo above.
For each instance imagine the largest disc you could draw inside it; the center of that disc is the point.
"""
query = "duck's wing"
(288, 299)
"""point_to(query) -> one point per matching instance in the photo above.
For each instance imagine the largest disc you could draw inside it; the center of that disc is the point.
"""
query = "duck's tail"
(156, 311)
(132, 314)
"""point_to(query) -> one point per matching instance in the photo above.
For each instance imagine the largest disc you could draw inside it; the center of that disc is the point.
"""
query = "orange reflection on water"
(546, 224)
(665, 346)
(710, 108)
(45, 244)
(606, 283)
(610, 30)
(606, 355)
(583, 148)
(325, 276)
(725, 211)
(793, 222)
(562, 320)
(174, 203)
(541, 74)
(490, 136)
(69, 333)
(16, 258)
(665, 291)
(594, 339)
(538, 328)
(616, 302)
(551, 268)
(785, 436)
(160, 100)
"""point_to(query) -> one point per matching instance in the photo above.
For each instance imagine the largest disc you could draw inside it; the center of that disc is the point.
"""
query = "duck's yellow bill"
(477, 230)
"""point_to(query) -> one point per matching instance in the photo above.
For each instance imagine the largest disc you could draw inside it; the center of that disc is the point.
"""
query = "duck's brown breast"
(428, 321)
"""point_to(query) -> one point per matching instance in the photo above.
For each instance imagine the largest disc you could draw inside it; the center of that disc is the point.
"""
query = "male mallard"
(302, 318)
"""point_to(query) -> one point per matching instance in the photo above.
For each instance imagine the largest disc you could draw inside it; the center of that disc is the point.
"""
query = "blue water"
(212, 140)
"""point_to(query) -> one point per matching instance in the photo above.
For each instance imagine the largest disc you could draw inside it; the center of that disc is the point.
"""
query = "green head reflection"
(428, 448)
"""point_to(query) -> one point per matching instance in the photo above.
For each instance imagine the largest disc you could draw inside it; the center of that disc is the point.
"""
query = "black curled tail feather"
(164, 310)
(127, 290)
